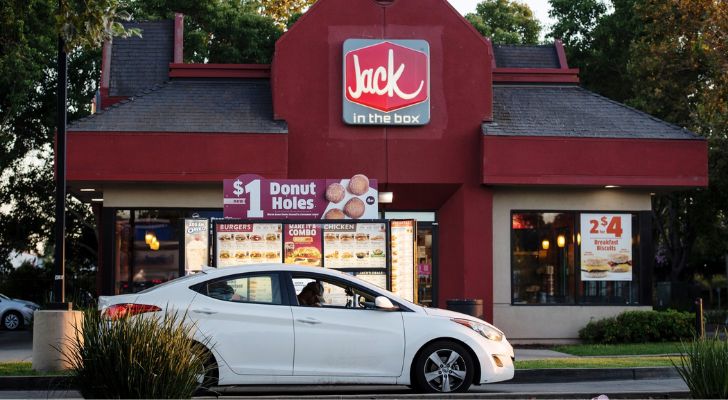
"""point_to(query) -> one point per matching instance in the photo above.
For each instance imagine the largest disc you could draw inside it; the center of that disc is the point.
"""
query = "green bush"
(640, 327)
(704, 367)
(717, 317)
(135, 357)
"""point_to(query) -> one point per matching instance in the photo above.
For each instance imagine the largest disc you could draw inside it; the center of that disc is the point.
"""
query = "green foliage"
(282, 11)
(505, 22)
(598, 362)
(136, 357)
(27, 282)
(224, 31)
(704, 367)
(640, 327)
(716, 317)
(88, 23)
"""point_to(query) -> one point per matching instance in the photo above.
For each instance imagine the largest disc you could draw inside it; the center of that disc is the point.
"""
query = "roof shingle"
(220, 105)
(574, 112)
(519, 56)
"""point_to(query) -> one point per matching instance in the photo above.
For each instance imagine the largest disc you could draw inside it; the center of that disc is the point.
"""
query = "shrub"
(134, 357)
(704, 367)
(717, 317)
(640, 327)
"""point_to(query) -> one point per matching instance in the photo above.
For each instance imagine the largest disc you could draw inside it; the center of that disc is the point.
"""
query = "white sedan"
(288, 324)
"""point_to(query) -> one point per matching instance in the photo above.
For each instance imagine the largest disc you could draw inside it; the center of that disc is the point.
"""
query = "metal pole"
(59, 287)
(699, 326)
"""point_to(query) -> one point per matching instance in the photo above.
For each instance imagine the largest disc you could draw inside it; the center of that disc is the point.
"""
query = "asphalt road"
(16, 345)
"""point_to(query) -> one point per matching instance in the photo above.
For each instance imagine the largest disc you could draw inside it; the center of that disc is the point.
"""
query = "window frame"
(200, 287)
(289, 276)
(642, 245)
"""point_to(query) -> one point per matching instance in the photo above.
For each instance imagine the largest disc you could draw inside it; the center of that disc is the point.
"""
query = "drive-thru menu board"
(303, 244)
(360, 245)
(239, 244)
(606, 247)
(402, 235)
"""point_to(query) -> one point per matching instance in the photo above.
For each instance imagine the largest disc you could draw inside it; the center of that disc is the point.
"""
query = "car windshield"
(175, 280)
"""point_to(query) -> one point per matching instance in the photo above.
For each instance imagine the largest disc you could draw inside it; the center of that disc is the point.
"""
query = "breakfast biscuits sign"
(386, 82)
(606, 247)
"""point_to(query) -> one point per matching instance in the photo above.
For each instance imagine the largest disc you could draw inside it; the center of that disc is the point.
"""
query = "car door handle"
(310, 321)
(207, 311)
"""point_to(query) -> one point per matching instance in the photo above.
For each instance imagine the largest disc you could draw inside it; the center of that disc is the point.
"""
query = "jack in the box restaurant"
(392, 142)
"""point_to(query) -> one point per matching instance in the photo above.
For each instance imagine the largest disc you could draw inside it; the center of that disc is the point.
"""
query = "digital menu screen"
(402, 241)
(242, 244)
(302, 244)
(360, 245)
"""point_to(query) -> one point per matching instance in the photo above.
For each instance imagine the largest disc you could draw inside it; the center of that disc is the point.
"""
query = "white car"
(352, 332)
(16, 313)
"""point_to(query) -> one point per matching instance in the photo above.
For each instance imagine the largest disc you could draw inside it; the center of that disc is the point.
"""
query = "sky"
(540, 9)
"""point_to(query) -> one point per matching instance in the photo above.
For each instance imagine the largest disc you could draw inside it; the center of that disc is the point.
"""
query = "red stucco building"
(515, 154)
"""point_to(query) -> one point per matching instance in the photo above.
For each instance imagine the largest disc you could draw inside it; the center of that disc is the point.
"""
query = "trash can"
(472, 307)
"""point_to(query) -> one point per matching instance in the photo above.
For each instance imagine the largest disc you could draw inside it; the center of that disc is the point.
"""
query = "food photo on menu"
(352, 198)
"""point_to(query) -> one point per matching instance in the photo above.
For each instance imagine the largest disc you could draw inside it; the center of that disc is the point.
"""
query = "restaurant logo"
(386, 82)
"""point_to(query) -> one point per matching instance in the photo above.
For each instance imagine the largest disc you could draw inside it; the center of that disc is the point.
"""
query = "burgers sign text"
(386, 82)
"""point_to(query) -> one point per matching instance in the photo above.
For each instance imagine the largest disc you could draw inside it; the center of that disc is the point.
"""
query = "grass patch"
(16, 369)
(620, 349)
(600, 362)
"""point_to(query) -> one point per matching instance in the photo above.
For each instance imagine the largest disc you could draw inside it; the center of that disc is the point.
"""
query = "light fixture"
(386, 197)
(154, 245)
(149, 237)
(98, 200)
(88, 189)
(561, 241)
(611, 187)
(545, 244)
(578, 239)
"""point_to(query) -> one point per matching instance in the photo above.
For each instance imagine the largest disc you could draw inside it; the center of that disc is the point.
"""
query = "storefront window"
(546, 253)
(147, 247)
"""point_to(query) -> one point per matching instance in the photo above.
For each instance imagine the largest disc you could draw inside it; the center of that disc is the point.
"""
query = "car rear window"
(176, 280)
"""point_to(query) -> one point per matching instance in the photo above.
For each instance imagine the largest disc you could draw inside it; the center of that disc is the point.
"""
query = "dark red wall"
(531, 160)
(432, 167)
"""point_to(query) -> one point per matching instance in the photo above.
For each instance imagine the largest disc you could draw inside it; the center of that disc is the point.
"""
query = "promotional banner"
(197, 249)
(252, 197)
(386, 82)
(302, 244)
(606, 247)
(240, 244)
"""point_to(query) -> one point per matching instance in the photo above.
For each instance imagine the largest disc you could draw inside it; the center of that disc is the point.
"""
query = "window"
(546, 253)
(263, 288)
(326, 292)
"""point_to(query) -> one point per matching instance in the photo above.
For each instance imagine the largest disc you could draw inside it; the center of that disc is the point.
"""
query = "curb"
(592, 374)
(58, 382)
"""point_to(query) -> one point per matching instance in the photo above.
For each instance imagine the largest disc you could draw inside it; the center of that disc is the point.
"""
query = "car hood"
(26, 302)
(439, 312)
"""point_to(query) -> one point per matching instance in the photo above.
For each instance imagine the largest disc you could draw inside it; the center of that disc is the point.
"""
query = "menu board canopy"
(606, 247)
(252, 197)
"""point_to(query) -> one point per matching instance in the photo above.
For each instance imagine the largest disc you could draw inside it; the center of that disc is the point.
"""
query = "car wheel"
(443, 367)
(12, 320)
(207, 375)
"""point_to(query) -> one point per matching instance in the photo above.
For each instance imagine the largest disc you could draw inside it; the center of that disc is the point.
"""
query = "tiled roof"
(518, 56)
(574, 112)
(219, 105)
(140, 63)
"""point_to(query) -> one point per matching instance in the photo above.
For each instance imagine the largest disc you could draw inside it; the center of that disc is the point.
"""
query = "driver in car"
(311, 295)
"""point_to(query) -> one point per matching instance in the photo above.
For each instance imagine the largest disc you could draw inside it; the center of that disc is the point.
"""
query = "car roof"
(211, 272)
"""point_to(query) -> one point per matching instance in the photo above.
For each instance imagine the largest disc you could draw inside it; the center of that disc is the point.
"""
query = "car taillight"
(118, 311)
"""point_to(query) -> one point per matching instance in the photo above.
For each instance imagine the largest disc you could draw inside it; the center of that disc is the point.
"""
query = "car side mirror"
(383, 303)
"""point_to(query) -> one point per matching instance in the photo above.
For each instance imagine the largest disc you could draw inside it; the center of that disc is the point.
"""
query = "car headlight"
(32, 308)
(484, 330)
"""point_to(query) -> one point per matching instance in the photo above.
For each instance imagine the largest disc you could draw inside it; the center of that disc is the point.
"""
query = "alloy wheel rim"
(445, 370)
(11, 321)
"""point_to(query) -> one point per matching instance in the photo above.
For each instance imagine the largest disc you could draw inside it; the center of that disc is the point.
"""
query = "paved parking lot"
(16, 345)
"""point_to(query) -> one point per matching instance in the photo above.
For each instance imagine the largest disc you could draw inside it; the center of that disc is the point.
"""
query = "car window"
(321, 291)
(263, 288)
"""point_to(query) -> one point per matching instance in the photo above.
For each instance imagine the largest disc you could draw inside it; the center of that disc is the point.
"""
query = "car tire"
(12, 321)
(443, 367)
(208, 371)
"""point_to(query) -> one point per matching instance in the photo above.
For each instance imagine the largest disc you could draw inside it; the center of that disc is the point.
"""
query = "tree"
(282, 11)
(505, 22)
(224, 31)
